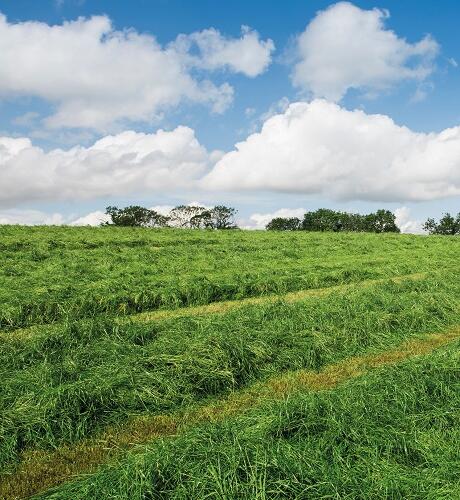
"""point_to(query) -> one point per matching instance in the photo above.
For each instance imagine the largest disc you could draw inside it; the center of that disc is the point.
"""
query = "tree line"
(223, 217)
(184, 216)
(323, 219)
(448, 224)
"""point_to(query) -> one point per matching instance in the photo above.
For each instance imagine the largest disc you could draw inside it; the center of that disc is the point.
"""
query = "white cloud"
(30, 217)
(248, 55)
(314, 148)
(91, 219)
(259, 221)
(96, 76)
(126, 163)
(405, 222)
(345, 47)
(321, 148)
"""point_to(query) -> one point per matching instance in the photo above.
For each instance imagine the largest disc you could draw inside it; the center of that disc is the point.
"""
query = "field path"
(39, 470)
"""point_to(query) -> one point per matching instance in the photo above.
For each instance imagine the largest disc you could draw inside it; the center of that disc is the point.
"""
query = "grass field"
(140, 363)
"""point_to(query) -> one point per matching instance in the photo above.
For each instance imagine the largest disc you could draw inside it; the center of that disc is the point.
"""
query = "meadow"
(140, 363)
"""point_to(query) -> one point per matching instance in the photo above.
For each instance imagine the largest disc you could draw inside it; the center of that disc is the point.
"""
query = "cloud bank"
(127, 163)
(316, 148)
(96, 76)
(322, 148)
(345, 47)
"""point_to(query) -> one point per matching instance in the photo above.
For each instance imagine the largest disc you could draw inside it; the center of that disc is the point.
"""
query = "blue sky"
(426, 101)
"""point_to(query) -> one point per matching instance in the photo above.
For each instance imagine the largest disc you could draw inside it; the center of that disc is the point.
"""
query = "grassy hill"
(140, 363)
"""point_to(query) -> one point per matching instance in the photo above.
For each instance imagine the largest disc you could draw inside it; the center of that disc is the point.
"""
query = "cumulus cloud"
(95, 218)
(321, 148)
(345, 47)
(406, 223)
(248, 55)
(129, 162)
(316, 148)
(96, 76)
(31, 217)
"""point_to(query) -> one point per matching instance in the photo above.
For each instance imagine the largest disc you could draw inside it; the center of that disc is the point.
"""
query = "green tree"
(382, 221)
(187, 216)
(223, 217)
(322, 219)
(194, 217)
(284, 224)
(202, 220)
(135, 216)
(447, 225)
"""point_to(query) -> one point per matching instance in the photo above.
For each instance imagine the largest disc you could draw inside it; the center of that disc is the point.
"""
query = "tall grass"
(394, 433)
(49, 274)
(77, 371)
(77, 380)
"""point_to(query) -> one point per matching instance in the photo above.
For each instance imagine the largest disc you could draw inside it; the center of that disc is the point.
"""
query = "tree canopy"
(184, 216)
(223, 217)
(284, 224)
(324, 219)
(135, 216)
(448, 225)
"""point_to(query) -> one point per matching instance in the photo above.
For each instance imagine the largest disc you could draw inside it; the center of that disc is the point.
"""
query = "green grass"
(49, 274)
(75, 381)
(394, 433)
(77, 360)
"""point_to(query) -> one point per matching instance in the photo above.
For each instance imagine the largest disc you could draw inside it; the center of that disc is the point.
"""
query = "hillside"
(139, 363)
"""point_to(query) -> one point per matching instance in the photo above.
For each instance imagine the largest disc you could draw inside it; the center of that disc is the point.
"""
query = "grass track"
(220, 307)
(392, 433)
(113, 342)
(73, 383)
(50, 274)
(39, 471)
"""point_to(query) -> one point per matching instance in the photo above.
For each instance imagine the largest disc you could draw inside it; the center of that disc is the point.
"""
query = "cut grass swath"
(39, 471)
(74, 383)
(220, 307)
(49, 274)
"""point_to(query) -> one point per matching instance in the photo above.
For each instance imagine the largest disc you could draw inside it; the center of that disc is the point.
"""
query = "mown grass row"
(129, 298)
(48, 274)
(393, 433)
(42, 470)
(219, 307)
(76, 381)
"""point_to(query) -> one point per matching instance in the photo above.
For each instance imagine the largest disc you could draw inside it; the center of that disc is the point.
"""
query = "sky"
(273, 108)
